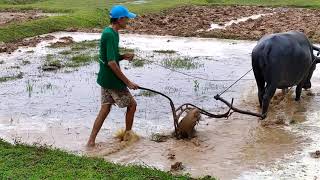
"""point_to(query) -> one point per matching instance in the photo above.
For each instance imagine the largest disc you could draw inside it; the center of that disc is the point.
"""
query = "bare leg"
(104, 111)
(130, 115)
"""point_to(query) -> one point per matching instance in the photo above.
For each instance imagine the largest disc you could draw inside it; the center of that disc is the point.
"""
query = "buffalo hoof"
(263, 116)
(307, 86)
(297, 99)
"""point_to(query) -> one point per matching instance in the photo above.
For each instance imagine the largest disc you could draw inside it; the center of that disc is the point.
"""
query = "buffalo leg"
(285, 91)
(270, 90)
(298, 91)
(261, 85)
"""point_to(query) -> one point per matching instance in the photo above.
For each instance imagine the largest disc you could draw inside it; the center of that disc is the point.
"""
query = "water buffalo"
(282, 60)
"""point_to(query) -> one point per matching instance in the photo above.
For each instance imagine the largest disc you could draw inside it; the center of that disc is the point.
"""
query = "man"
(114, 84)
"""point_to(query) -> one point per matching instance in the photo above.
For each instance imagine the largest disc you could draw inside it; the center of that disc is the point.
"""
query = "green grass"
(25, 62)
(65, 52)
(156, 137)
(138, 63)
(123, 50)
(84, 45)
(10, 78)
(147, 93)
(29, 52)
(80, 60)
(29, 88)
(165, 51)
(30, 162)
(181, 63)
(51, 60)
(75, 55)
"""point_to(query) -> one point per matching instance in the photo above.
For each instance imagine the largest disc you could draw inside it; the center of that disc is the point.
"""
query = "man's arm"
(127, 56)
(116, 69)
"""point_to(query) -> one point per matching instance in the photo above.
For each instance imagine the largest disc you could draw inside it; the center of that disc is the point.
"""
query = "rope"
(197, 77)
(221, 80)
(234, 83)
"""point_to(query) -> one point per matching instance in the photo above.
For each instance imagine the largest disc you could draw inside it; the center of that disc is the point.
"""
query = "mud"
(186, 20)
(177, 166)
(196, 21)
(30, 42)
(132, 1)
(315, 154)
(63, 41)
(58, 109)
(18, 17)
(10, 16)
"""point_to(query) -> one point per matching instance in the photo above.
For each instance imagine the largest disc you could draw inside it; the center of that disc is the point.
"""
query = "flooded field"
(58, 106)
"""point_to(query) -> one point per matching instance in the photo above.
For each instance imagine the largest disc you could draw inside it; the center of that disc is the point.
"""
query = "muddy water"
(132, 1)
(59, 108)
(243, 19)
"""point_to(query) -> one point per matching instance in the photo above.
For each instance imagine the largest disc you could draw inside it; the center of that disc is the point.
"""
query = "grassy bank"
(29, 162)
(80, 14)
(94, 13)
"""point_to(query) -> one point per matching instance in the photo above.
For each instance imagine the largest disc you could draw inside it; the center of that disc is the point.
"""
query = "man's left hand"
(128, 56)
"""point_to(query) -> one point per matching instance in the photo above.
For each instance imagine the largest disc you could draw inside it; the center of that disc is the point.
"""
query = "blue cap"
(120, 11)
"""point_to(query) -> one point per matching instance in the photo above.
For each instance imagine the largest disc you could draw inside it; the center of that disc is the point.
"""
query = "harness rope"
(186, 74)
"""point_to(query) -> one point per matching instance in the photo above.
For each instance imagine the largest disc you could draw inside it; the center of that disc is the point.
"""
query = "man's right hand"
(132, 85)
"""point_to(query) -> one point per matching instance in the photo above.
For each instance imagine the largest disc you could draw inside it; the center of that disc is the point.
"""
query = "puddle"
(243, 19)
(133, 1)
(58, 108)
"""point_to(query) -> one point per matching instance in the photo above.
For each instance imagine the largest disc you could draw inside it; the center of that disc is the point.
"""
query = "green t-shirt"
(109, 51)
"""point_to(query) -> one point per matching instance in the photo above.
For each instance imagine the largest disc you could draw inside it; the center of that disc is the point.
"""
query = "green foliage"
(40, 162)
(84, 45)
(165, 51)
(138, 63)
(181, 63)
(10, 78)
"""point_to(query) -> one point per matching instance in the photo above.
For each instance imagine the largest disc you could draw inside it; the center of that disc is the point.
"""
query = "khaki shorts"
(122, 98)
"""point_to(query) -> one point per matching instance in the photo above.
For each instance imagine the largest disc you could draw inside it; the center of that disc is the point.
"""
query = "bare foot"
(90, 144)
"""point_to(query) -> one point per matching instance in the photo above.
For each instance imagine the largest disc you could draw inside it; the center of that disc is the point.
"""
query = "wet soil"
(58, 109)
(63, 41)
(16, 17)
(196, 21)
(315, 154)
(30, 42)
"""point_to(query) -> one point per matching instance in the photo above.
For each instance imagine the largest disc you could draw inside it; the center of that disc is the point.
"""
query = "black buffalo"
(280, 61)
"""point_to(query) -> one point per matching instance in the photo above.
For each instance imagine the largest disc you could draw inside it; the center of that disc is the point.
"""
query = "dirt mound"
(64, 41)
(10, 17)
(32, 42)
(197, 20)
(304, 20)
(186, 20)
